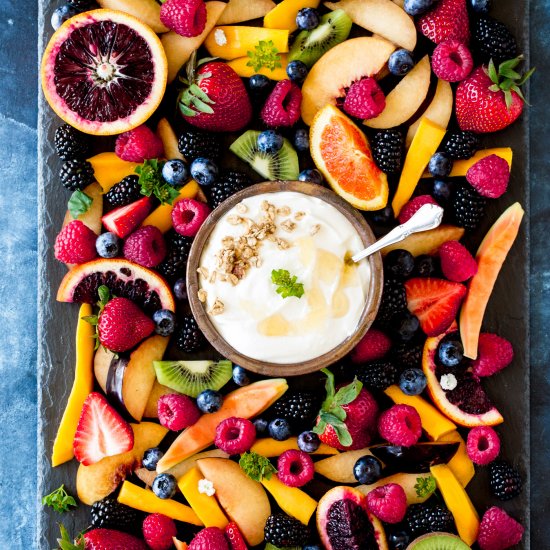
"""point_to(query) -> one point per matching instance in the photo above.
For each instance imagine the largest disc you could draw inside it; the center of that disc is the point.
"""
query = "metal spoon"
(427, 217)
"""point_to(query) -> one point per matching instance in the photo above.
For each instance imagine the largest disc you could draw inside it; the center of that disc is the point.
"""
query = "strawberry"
(110, 539)
(101, 432)
(435, 302)
(123, 220)
(215, 98)
(234, 536)
(347, 419)
(490, 99)
(449, 19)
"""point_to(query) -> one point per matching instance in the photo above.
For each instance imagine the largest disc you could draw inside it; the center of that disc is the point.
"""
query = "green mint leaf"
(425, 486)
(152, 182)
(287, 285)
(265, 55)
(348, 393)
(79, 204)
(256, 466)
(59, 500)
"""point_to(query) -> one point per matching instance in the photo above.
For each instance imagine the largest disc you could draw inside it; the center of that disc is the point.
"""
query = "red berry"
(188, 215)
(489, 176)
(235, 537)
(211, 538)
(410, 209)
(282, 107)
(494, 353)
(177, 412)
(373, 346)
(452, 61)
(145, 246)
(295, 468)
(400, 425)
(107, 539)
(388, 502)
(498, 530)
(185, 17)
(365, 99)
(139, 144)
(158, 531)
(75, 244)
(457, 263)
(235, 435)
(483, 445)
(448, 19)
(125, 219)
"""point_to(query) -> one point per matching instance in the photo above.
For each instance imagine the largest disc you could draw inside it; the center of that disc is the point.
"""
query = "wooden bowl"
(284, 369)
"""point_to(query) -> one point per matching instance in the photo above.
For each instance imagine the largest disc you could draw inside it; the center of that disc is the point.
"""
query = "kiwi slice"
(192, 377)
(438, 541)
(309, 46)
(282, 165)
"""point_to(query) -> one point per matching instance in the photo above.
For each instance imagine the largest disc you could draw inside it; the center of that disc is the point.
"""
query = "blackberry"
(124, 192)
(195, 143)
(300, 408)
(81, 5)
(425, 518)
(461, 145)
(407, 355)
(189, 338)
(493, 40)
(394, 300)
(70, 143)
(282, 531)
(504, 480)
(76, 174)
(468, 207)
(108, 513)
(227, 184)
(175, 261)
(377, 375)
(387, 150)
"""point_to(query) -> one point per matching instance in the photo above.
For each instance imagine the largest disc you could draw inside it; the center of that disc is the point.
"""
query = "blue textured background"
(18, 89)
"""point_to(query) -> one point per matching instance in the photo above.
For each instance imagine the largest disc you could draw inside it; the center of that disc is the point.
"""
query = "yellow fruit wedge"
(283, 16)
(109, 169)
(169, 140)
(147, 11)
(458, 502)
(270, 447)
(424, 144)
(206, 507)
(241, 67)
(427, 242)
(461, 465)
(179, 545)
(433, 422)
(179, 470)
(339, 467)
(238, 11)
(82, 386)
(409, 482)
(92, 217)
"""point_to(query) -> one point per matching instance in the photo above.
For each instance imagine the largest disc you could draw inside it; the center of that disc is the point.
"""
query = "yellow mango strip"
(241, 67)
(283, 15)
(110, 169)
(269, 447)
(238, 40)
(461, 465)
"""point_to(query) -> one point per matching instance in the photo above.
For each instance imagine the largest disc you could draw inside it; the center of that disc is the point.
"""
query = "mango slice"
(241, 67)
(109, 169)
(283, 16)
(269, 447)
(461, 465)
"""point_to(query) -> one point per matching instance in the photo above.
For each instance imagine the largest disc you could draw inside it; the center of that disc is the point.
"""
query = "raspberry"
(498, 530)
(211, 538)
(145, 246)
(364, 99)
(177, 412)
(158, 531)
(282, 107)
(185, 17)
(400, 425)
(413, 206)
(75, 244)
(494, 353)
(235, 435)
(457, 263)
(295, 468)
(483, 445)
(373, 346)
(139, 144)
(388, 502)
(188, 215)
(235, 537)
(452, 61)
(489, 176)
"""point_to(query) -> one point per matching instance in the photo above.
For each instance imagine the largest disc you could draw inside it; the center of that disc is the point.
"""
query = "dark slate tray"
(507, 313)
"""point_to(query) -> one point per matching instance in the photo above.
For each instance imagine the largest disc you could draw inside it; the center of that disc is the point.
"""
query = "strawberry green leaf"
(104, 294)
(510, 64)
(525, 77)
(492, 72)
(348, 393)
(329, 385)
(79, 204)
(92, 319)
(509, 73)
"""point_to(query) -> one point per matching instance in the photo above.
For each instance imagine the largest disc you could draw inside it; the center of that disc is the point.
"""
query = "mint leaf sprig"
(425, 486)
(59, 500)
(265, 55)
(79, 204)
(152, 182)
(287, 285)
(256, 466)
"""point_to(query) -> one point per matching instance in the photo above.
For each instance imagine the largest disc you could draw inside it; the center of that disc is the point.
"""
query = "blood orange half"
(342, 153)
(104, 72)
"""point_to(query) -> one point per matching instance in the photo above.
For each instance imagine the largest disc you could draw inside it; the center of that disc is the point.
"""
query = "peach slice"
(152, 402)
(147, 11)
(427, 242)
(460, 464)
(409, 482)
(238, 11)
(241, 67)
(339, 468)
(179, 470)
(179, 545)
(110, 169)
(169, 140)
(269, 447)
(283, 15)
(92, 217)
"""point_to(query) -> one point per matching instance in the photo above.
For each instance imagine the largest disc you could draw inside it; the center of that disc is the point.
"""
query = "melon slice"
(427, 242)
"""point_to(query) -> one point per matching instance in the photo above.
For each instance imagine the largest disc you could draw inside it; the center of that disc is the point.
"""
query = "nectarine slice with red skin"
(406, 481)
(427, 242)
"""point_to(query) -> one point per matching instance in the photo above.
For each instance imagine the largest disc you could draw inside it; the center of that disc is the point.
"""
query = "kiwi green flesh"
(282, 165)
(309, 46)
(438, 541)
(193, 377)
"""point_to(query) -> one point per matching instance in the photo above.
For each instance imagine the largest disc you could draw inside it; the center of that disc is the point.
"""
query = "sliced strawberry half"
(234, 537)
(435, 302)
(122, 221)
(101, 431)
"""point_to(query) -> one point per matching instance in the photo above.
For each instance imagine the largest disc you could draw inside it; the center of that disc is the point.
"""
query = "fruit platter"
(209, 174)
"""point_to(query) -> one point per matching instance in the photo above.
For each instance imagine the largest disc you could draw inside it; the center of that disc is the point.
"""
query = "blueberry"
(307, 19)
(450, 352)
(424, 266)
(412, 381)
(164, 486)
(311, 175)
(165, 322)
(61, 14)
(405, 325)
(399, 263)
(297, 71)
(204, 171)
(301, 140)
(400, 62)
(480, 6)
(367, 470)
(261, 426)
(416, 7)
(209, 401)
(180, 289)
(440, 165)
(442, 191)
(384, 216)
(399, 540)
(279, 429)
(151, 457)
(258, 82)
(311, 547)
(175, 172)
(308, 442)
(107, 245)
(270, 141)
(240, 376)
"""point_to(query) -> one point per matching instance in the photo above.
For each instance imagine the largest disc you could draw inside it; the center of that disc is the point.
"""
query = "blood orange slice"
(342, 153)
(124, 278)
(104, 72)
